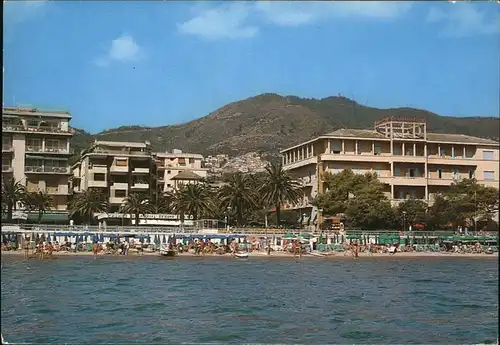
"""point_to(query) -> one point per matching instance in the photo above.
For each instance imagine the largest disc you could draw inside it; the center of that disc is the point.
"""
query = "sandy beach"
(278, 255)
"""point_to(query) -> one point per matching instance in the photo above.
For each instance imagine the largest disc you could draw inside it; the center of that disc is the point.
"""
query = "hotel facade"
(36, 149)
(121, 168)
(177, 168)
(408, 160)
(115, 168)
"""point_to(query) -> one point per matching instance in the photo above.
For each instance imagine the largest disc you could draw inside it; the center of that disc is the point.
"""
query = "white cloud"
(300, 13)
(231, 20)
(122, 49)
(463, 19)
(224, 21)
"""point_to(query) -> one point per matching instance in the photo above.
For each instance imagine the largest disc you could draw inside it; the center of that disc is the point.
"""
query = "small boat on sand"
(241, 255)
(167, 251)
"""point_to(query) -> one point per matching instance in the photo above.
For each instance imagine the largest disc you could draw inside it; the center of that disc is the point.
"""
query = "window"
(378, 148)
(440, 173)
(337, 147)
(120, 193)
(488, 155)
(471, 174)
(396, 150)
(99, 177)
(489, 175)
(397, 171)
(121, 162)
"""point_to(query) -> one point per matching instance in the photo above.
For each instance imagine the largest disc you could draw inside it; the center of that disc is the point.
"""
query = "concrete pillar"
(414, 149)
(303, 154)
(43, 144)
(392, 147)
(356, 147)
(312, 150)
(343, 146)
(425, 150)
(392, 191)
(329, 146)
(452, 151)
(464, 154)
(439, 150)
(403, 149)
(426, 192)
(373, 147)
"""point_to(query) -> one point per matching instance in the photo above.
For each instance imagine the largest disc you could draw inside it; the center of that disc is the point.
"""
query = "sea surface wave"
(219, 300)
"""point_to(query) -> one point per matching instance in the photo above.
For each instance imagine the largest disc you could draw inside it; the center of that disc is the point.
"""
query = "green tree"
(239, 193)
(38, 201)
(136, 204)
(164, 203)
(278, 188)
(12, 192)
(468, 201)
(411, 212)
(85, 205)
(360, 197)
(195, 200)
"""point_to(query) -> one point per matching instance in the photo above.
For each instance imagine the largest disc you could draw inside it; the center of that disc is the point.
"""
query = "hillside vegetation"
(269, 122)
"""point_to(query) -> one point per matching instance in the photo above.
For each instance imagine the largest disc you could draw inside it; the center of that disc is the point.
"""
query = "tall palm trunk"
(10, 208)
(278, 214)
(40, 214)
(137, 219)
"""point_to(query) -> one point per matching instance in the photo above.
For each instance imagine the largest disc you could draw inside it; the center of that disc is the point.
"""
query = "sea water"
(260, 300)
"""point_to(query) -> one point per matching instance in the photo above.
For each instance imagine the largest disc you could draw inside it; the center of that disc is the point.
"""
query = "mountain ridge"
(268, 122)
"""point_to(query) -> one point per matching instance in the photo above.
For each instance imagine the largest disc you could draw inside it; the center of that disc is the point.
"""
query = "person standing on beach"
(95, 249)
(26, 246)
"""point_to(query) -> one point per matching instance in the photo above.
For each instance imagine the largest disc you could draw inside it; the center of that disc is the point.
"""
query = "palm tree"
(12, 192)
(38, 201)
(88, 203)
(137, 204)
(164, 203)
(194, 200)
(239, 193)
(279, 187)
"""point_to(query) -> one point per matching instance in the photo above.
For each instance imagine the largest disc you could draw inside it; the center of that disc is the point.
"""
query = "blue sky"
(159, 63)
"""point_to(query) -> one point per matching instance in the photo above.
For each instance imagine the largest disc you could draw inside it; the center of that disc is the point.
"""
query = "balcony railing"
(46, 169)
(56, 190)
(46, 149)
(41, 129)
(7, 168)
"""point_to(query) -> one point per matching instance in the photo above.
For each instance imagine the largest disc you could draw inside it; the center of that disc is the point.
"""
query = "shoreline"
(274, 255)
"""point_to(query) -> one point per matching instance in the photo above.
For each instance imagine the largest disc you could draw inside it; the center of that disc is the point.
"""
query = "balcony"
(448, 160)
(140, 185)
(59, 190)
(98, 169)
(7, 168)
(119, 153)
(119, 185)
(40, 129)
(116, 200)
(140, 171)
(409, 181)
(40, 149)
(46, 170)
(7, 148)
(99, 184)
(118, 169)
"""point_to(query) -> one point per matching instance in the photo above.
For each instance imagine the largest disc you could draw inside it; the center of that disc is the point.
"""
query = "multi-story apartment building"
(176, 168)
(35, 150)
(409, 161)
(117, 168)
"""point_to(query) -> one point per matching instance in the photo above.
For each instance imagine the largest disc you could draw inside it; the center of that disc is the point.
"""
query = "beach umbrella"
(289, 236)
(164, 239)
